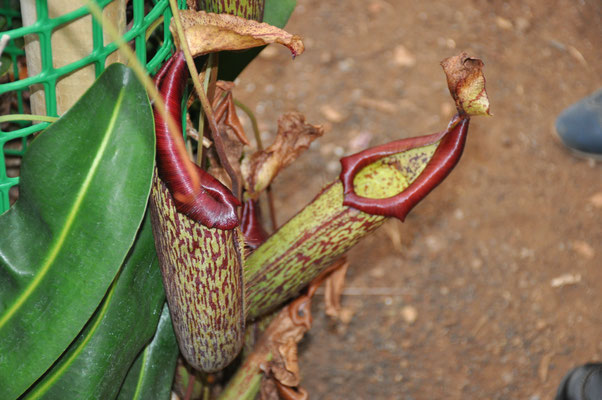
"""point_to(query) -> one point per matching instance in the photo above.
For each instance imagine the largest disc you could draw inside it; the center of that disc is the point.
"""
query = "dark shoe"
(580, 126)
(582, 383)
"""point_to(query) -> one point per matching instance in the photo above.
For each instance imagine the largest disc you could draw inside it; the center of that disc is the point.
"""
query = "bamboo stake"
(70, 42)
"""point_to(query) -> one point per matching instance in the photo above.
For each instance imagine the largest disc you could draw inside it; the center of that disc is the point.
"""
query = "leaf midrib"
(142, 375)
(56, 247)
(40, 391)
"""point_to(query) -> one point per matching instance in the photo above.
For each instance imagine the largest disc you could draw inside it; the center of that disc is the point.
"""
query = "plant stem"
(257, 135)
(251, 116)
(271, 207)
(153, 27)
(206, 76)
(26, 117)
(201, 127)
(190, 386)
(184, 45)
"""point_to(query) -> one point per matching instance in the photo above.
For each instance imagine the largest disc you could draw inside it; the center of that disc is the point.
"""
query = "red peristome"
(196, 194)
(158, 78)
(252, 230)
(444, 159)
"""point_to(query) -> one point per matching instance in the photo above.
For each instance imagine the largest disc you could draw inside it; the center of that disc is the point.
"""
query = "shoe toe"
(580, 125)
(582, 383)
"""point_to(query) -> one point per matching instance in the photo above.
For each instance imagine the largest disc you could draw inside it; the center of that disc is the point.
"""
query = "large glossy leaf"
(151, 376)
(84, 187)
(98, 360)
(276, 13)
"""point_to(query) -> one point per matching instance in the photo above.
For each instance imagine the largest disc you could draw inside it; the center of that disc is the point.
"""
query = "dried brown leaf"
(210, 33)
(466, 84)
(231, 132)
(291, 393)
(294, 136)
(334, 285)
(225, 111)
(285, 365)
(268, 389)
(279, 342)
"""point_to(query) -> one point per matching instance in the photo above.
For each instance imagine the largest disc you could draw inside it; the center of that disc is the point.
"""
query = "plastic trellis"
(48, 77)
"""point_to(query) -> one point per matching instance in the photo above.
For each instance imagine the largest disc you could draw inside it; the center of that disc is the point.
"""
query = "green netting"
(144, 14)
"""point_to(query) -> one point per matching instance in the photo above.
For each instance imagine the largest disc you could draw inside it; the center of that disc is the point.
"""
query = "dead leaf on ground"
(596, 200)
(544, 367)
(332, 114)
(210, 33)
(565, 279)
(584, 249)
(504, 23)
(383, 106)
(294, 136)
(466, 84)
(402, 57)
(576, 54)
(409, 314)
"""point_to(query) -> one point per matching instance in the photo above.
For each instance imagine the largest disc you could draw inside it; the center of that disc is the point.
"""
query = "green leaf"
(84, 188)
(276, 13)
(151, 376)
(5, 63)
(100, 357)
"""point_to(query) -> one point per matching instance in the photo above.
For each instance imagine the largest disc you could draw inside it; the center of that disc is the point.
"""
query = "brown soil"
(475, 261)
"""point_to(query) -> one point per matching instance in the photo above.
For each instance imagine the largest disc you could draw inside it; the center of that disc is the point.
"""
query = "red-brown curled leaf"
(294, 136)
(466, 84)
(210, 33)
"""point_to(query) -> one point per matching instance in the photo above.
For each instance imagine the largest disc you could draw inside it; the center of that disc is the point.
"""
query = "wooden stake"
(70, 43)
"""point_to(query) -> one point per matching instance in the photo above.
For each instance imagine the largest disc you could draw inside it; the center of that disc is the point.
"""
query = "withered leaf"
(334, 285)
(280, 340)
(279, 343)
(466, 84)
(294, 136)
(209, 33)
(285, 365)
(231, 132)
(291, 393)
(268, 389)
(271, 389)
(225, 110)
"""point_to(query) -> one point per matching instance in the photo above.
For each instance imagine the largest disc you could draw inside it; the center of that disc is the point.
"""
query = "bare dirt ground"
(459, 302)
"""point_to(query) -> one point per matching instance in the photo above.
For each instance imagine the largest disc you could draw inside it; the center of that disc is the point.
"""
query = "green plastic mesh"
(144, 14)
